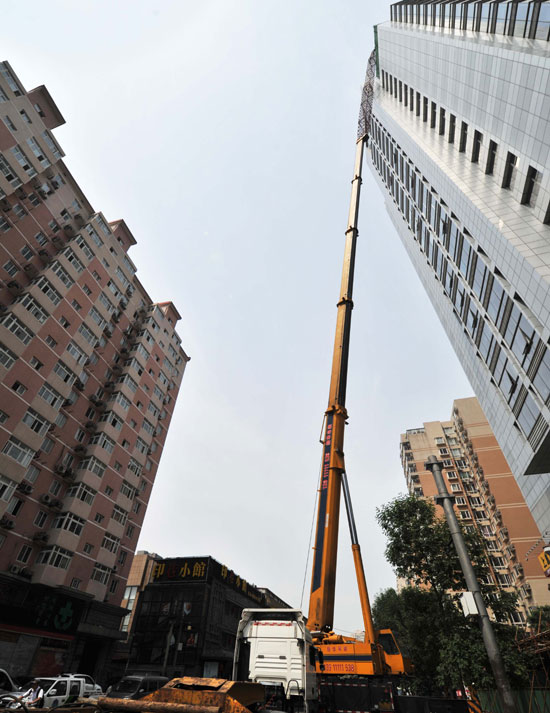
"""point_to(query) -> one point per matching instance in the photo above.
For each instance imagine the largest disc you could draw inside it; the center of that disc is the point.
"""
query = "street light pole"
(495, 659)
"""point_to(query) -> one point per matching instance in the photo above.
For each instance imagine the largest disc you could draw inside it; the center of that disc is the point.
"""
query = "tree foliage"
(539, 618)
(445, 647)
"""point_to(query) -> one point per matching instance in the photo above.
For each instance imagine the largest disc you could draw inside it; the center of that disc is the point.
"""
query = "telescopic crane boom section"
(352, 656)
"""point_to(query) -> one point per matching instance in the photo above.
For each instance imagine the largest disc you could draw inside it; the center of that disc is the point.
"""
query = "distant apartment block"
(487, 497)
(90, 370)
(460, 147)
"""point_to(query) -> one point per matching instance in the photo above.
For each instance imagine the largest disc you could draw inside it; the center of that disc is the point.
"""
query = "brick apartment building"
(487, 497)
(90, 370)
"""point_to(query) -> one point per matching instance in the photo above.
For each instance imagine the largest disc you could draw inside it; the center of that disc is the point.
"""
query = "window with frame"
(40, 518)
(36, 422)
(83, 245)
(135, 467)
(110, 543)
(128, 490)
(55, 556)
(119, 515)
(76, 352)
(24, 554)
(17, 450)
(100, 573)
(33, 307)
(141, 445)
(50, 395)
(64, 373)
(82, 492)
(23, 161)
(93, 464)
(87, 333)
(38, 152)
(48, 289)
(103, 441)
(70, 522)
(112, 419)
(51, 144)
(59, 271)
(7, 357)
(17, 328)
(7, 488)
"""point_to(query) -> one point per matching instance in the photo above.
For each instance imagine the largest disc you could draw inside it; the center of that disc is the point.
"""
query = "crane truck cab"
(274, 647)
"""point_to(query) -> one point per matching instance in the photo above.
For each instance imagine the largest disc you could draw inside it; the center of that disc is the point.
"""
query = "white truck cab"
(274, 647)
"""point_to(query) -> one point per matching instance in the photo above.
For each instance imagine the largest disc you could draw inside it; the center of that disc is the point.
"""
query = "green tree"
(539, 618)
(445, 647)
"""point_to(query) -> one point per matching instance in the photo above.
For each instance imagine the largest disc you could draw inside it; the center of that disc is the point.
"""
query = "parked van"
(137, 686)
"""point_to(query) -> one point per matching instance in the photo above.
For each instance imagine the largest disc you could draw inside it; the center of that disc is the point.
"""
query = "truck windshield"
(125, 687)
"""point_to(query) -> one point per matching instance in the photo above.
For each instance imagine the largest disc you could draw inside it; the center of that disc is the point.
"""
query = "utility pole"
(495, 659)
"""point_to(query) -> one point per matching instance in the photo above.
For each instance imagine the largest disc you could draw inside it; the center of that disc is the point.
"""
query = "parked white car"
(91, 688)
(61, 689)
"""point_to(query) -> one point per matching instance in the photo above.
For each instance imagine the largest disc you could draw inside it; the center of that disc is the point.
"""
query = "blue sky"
(223, 132)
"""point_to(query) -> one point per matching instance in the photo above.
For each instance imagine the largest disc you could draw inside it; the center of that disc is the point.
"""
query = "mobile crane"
(379, 653)
(275, 650)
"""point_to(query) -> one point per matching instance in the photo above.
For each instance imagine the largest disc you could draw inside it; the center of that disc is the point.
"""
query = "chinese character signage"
(544, 559)
(202, 569)
(194, 569)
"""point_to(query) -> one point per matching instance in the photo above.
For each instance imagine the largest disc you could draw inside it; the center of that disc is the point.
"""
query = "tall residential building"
(89, 374)
(460, 141)
(487, 497)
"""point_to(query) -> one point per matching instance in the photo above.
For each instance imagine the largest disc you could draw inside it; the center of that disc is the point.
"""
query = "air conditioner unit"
(94, 398)
(60, 468)
(51, 427)
(58, 504)
(5, 204)
(31, 269)
(6, 523)
(79, 448)
(69, 230)
(78, 385)
(46, 499)
(91, 426)
(15, 569)
(79, 220)
(14, 287)
(26, 572)
(40, 536)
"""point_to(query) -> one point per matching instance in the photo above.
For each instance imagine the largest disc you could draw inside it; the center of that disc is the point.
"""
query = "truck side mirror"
(321, 658)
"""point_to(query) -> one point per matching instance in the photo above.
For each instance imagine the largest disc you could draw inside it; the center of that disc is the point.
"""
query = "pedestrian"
(34, 696)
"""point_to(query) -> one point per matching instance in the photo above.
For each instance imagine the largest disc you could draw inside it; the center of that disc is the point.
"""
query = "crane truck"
(302, 663)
